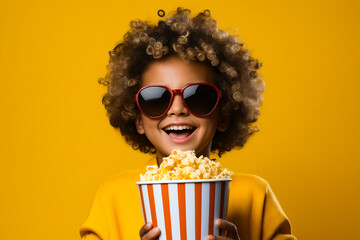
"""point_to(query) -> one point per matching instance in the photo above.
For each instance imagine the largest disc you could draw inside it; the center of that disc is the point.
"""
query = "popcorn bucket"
(185, 209)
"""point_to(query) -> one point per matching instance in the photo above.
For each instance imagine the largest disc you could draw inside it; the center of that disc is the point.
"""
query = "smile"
(179, 133)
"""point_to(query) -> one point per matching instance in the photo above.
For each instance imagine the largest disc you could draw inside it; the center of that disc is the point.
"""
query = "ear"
(223, 123)
(139, 125)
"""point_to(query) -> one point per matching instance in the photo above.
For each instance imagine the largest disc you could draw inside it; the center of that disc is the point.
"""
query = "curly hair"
(191, 39)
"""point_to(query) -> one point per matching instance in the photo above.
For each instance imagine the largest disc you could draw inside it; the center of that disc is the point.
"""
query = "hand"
(148, 233)
(231, 229)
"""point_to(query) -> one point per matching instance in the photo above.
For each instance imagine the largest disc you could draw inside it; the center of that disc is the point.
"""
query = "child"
(183, 84)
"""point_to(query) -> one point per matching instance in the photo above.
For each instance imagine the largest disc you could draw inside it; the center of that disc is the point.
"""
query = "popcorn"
(185, 166)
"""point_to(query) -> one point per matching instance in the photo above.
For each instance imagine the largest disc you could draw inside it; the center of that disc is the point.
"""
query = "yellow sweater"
(116, 210)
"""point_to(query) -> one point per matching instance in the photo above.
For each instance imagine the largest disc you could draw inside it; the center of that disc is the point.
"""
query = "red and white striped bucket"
(185, 209)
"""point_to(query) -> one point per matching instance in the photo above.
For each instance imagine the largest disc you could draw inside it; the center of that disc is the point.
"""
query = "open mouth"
(179, 131)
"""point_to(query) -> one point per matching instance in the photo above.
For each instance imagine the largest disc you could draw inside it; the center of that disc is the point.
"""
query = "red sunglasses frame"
(180, 92)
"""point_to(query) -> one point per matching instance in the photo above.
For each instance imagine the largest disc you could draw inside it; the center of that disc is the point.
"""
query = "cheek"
(145, 125)
(151, 126)
(210, 125)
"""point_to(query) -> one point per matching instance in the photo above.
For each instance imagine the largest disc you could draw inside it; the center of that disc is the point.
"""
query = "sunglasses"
(200, 99)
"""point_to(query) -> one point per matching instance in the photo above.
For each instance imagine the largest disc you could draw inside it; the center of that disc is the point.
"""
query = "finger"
(147, 227)
(152, 234)
(229, 227)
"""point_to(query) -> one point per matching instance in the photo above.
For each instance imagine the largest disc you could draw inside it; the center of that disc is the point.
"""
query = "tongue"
(180, 134)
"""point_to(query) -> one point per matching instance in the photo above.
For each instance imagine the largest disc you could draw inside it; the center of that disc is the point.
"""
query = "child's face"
(176, 74)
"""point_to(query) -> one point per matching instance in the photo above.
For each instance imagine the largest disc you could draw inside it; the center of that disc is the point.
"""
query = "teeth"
(179, 128)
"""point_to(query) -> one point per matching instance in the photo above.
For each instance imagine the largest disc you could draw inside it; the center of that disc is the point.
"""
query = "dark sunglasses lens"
(154, 101)
(200, 99)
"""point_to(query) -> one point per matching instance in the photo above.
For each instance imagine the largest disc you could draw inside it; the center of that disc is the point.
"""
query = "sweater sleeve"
(276, 225)
(96, 225)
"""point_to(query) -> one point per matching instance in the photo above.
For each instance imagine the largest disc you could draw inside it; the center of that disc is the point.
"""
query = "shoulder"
(247, 195)
(249, 180)
(251, 202)
(125, 177)
(248, 186)
(120, 182)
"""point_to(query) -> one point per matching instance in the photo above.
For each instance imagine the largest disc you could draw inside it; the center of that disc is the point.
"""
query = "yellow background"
(56, 144)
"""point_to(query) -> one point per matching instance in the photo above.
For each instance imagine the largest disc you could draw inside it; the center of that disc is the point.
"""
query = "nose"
(177, 107)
